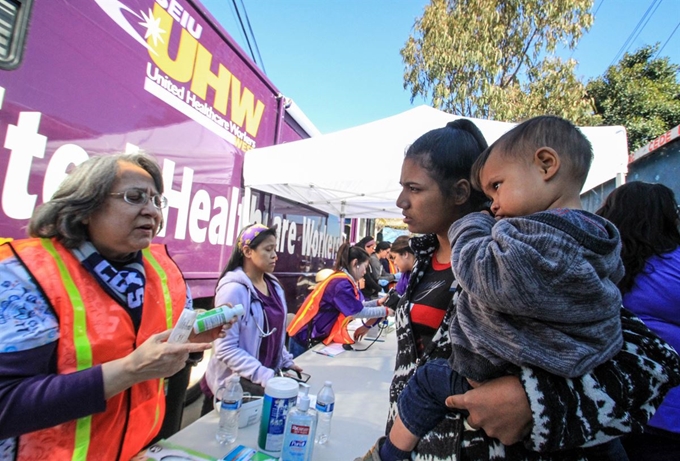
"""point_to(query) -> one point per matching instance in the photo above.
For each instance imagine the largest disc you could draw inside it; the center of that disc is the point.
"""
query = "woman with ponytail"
(325, 313)
(552, 417)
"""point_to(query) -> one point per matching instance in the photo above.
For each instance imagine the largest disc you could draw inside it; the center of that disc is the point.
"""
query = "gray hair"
(82, 193)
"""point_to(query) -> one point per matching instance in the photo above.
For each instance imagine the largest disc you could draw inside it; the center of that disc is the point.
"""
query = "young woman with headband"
(255, 346)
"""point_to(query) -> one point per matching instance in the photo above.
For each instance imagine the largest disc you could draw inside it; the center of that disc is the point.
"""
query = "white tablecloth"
(361, 381)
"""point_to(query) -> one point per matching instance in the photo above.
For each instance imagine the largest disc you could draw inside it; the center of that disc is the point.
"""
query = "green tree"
(493, 58)
(642, 93)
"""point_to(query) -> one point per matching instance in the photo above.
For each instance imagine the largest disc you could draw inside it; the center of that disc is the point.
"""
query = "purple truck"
(94, 77)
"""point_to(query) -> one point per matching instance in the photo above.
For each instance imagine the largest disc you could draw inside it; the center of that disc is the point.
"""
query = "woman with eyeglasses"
(255, 346)
(86, 307)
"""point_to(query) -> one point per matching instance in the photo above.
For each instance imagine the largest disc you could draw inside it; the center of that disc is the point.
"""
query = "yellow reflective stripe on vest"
(168, 313)
(164, 283)
(312, 302)
(81, 344)
(296, 324)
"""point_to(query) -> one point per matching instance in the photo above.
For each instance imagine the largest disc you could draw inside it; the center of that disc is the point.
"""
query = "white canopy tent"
(355, 172)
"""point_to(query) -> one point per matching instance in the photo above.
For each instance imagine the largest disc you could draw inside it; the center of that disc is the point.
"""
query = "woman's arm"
(239, 348)
(498, 406)
(239, 360)
(343, 298)
(29, 386)
(373, 312)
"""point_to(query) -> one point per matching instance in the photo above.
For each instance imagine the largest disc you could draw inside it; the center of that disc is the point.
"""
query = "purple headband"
(249, 234)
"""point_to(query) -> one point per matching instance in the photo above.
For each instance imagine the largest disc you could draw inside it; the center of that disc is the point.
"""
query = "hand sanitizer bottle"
(298, 440)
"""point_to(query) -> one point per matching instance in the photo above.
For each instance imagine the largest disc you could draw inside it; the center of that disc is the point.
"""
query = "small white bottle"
(325, 403)
(230, 407)
(180, 333)
(298, 439)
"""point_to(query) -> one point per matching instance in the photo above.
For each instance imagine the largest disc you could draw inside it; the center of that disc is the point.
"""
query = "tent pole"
(620, 179)
(342, 220)
(245, 207)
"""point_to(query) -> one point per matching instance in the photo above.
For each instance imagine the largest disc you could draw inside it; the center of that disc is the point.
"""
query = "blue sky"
(339, 59)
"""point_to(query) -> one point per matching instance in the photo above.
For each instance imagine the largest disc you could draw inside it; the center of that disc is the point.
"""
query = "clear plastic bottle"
(298, 439)
(325, 403)
(230, 407)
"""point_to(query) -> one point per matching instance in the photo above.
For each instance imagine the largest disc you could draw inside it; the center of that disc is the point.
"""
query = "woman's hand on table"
(360, 332)
(500, 407)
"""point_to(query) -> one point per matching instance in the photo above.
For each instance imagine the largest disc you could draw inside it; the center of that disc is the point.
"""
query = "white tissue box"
(250, 411)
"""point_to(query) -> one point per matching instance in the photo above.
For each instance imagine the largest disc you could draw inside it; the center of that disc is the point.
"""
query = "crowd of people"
(527, 327)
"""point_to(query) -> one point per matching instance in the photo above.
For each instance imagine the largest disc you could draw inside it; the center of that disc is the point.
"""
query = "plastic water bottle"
(227, 431)
(325, 403)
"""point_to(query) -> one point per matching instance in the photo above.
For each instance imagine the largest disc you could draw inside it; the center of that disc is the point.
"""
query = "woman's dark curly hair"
(647, 218)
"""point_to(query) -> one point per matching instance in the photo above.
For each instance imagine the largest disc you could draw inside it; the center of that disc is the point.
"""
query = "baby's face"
(514, 184)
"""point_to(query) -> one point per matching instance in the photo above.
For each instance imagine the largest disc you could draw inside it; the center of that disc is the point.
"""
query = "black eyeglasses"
(141, 198)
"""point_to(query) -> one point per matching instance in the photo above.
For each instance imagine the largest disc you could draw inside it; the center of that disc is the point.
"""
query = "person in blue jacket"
(647, 218)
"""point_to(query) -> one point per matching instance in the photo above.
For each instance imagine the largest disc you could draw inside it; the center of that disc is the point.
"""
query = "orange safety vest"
(95, 329)
(310, 307)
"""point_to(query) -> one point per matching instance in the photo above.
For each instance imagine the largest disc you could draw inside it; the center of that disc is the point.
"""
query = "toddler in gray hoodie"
(536, 281)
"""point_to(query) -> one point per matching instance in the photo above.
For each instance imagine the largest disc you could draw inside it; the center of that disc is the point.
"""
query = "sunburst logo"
(153, 28)
(116, 10)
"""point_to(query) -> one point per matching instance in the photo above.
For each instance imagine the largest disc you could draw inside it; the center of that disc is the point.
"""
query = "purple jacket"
(655, 298)
(338, 297)
(402, 283)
